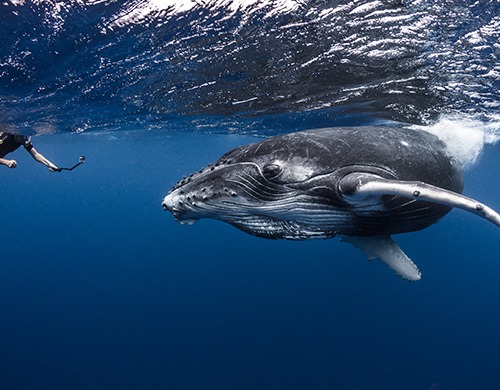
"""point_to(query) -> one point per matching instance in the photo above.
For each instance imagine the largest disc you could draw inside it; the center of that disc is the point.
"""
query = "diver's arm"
(42, 160)
(9, 163)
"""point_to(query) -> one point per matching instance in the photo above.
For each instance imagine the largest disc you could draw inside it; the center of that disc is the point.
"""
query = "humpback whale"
(362, 184)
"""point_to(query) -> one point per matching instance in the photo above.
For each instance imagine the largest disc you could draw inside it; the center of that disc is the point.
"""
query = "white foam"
(464, 136)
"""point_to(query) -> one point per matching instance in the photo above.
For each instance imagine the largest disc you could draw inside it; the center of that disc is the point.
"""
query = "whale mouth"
(178, 215)
(168, 205)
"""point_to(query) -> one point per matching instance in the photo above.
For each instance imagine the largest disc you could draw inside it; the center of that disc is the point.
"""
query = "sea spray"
(464, 136)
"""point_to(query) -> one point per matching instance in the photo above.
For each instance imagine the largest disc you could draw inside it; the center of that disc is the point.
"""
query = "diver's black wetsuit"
(10, 142)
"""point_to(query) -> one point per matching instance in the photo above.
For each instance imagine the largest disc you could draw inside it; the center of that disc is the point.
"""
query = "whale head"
(261, 191)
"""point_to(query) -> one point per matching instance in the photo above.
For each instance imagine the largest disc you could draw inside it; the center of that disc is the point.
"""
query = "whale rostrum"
(363, 184)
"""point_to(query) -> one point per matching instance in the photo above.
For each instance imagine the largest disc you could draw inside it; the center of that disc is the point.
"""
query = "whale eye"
(270, 171)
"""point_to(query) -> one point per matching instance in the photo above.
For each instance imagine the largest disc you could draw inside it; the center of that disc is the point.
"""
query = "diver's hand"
(53, 168)
(11, 163)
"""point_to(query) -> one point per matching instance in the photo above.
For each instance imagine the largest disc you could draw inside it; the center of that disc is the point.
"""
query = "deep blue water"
(101, 289)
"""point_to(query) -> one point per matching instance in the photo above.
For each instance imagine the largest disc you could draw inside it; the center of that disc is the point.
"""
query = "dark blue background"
(101, 289)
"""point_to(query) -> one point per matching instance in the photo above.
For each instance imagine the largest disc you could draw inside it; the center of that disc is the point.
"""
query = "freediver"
(10, 142)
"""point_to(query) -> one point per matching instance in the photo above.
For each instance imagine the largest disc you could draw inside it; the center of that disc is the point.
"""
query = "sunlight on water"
(139, 11)
(96, 64)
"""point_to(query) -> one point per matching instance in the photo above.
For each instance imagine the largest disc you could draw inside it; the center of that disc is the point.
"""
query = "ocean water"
(101, 289)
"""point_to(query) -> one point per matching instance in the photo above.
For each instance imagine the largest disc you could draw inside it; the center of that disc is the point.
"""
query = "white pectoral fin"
(386, 250)
(358, 186)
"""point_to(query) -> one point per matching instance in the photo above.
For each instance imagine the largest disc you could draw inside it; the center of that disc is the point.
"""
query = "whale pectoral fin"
(356, 187)
(387, 251)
